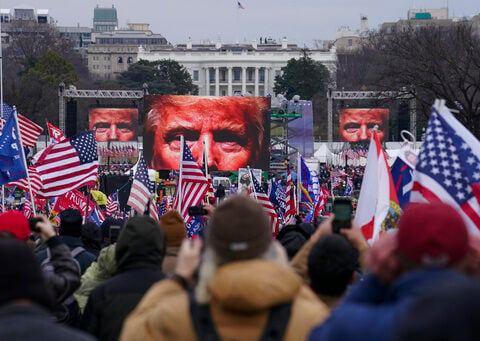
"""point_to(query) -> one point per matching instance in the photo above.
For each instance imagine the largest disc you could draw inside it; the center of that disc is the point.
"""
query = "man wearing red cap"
(430, 248)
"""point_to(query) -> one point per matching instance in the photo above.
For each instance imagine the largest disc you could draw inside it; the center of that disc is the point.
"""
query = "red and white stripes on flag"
(142, 188)
(68, 165)
(112, 204)
(29, 130)
(262, 198)
(35, 181)
(193, 187)
(290, 207)
(27, 207)
(152, 210)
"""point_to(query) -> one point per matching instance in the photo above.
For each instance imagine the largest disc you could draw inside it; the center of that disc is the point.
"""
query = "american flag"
(262, 198)
(193, 187)
(29, 130)
(153, 210)
(141, 189)
(27, 207)
(112, 204)
(68, 165)
(35, 181)
(448, 167)
(291, 208)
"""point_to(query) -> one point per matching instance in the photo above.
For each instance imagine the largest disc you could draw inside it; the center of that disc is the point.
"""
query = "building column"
(244, 80)
(266, 84)
(217, 81)
(230, 86)
(207, 81)
(256, 81)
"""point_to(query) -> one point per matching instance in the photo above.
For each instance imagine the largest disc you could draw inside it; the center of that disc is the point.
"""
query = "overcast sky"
(301, 21)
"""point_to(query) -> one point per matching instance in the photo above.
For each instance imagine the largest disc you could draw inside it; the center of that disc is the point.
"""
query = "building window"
(236, 74)
(250, 75)
(278, 73)
(223, 76)
(129, 60)
(350, 42)
(195, 75)
(261, 73)
(120, 60)
(211, 73)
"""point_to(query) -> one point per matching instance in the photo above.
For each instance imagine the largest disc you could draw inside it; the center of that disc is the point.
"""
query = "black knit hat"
(21, 276)
(239, 229)
(70, 223)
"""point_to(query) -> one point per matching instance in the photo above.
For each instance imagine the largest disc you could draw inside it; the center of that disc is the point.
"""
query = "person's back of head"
(239, 229)
(293, 237)
(21, 277)
(448, 312)
(174, 227)
(105, 229)
(432, 235)
(14, 224)
(141, 244)
(331, 265)
(92, 236)
(70, 223)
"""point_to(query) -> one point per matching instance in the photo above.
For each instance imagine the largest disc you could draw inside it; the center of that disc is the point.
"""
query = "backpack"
(205, 329)
(67, 311)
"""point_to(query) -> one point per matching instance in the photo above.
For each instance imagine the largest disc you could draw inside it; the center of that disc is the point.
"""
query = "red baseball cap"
(16, 223)
(432, 234)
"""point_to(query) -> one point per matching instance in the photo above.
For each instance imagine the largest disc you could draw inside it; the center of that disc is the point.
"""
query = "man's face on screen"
(225, 131)
(113, 124)
(357, 125)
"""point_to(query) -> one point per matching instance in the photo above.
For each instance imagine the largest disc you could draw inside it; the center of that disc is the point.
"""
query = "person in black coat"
(139, 253)
(25, 299)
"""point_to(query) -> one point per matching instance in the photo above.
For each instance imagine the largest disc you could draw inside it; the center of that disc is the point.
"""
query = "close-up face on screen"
(114, 124)
(234, 131)
(357, 124)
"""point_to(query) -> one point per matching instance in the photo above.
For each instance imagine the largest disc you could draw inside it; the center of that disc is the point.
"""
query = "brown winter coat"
(241, 296)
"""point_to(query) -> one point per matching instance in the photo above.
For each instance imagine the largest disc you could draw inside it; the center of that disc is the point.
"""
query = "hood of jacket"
(106, 263)
(253, 285)
(141, 244)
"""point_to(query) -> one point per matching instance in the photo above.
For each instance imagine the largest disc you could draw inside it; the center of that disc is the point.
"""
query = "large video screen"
(114, 124)
(356, 124)
(235, 129)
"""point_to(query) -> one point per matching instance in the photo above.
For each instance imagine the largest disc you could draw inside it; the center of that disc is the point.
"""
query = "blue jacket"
(371, 309)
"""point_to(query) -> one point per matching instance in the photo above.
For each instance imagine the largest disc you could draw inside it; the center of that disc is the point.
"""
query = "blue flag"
(402, 175)
(12, 166)
(277, 197)
(306, 180)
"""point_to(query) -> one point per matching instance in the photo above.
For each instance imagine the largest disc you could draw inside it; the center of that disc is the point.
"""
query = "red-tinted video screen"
(114, 124)
(356, 124)
(234, 129)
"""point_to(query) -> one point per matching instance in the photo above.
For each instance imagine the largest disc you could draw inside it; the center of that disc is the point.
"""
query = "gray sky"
(301, 21)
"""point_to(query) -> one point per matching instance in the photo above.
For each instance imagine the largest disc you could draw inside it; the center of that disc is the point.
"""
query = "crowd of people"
(144, 280)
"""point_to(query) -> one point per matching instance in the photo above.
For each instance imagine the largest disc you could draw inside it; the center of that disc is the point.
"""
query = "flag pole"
(32, 200)
(299, 180)
(251, 181)
(180, 176)
(88, 204)
(205, 156)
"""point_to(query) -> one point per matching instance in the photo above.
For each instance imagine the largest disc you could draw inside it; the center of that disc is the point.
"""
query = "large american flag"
(68, 165)
(35, 181)
(112, 204)
(193, 187)
(141, 189)
(262, 198)
(291, 208)
(29, 130)
(153, 210)
(448, 167)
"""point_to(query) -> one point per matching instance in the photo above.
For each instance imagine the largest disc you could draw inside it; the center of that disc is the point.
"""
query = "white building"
(232, 69)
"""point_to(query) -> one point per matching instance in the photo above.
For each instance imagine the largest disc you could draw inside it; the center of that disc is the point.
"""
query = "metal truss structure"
(369, 95)
(73, 92)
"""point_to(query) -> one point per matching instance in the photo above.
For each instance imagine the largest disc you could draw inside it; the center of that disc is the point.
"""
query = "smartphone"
(329, 206)
(342, 208)
(113, 234)
(32, 222)
(196, 211)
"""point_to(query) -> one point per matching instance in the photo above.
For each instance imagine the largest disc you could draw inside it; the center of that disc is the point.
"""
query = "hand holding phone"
(197, 211)
(342, 208)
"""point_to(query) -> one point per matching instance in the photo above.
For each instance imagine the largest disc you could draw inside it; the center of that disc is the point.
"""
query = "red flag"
(55, 134)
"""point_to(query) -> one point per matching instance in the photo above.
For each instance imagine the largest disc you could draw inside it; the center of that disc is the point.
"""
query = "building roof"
(74, 29)
(105, 14)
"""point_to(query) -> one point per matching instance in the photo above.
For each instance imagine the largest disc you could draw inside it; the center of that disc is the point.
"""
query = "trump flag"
(402, 174)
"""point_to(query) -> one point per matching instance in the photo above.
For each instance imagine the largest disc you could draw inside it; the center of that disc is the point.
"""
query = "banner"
(244, 181)
(73, 199)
